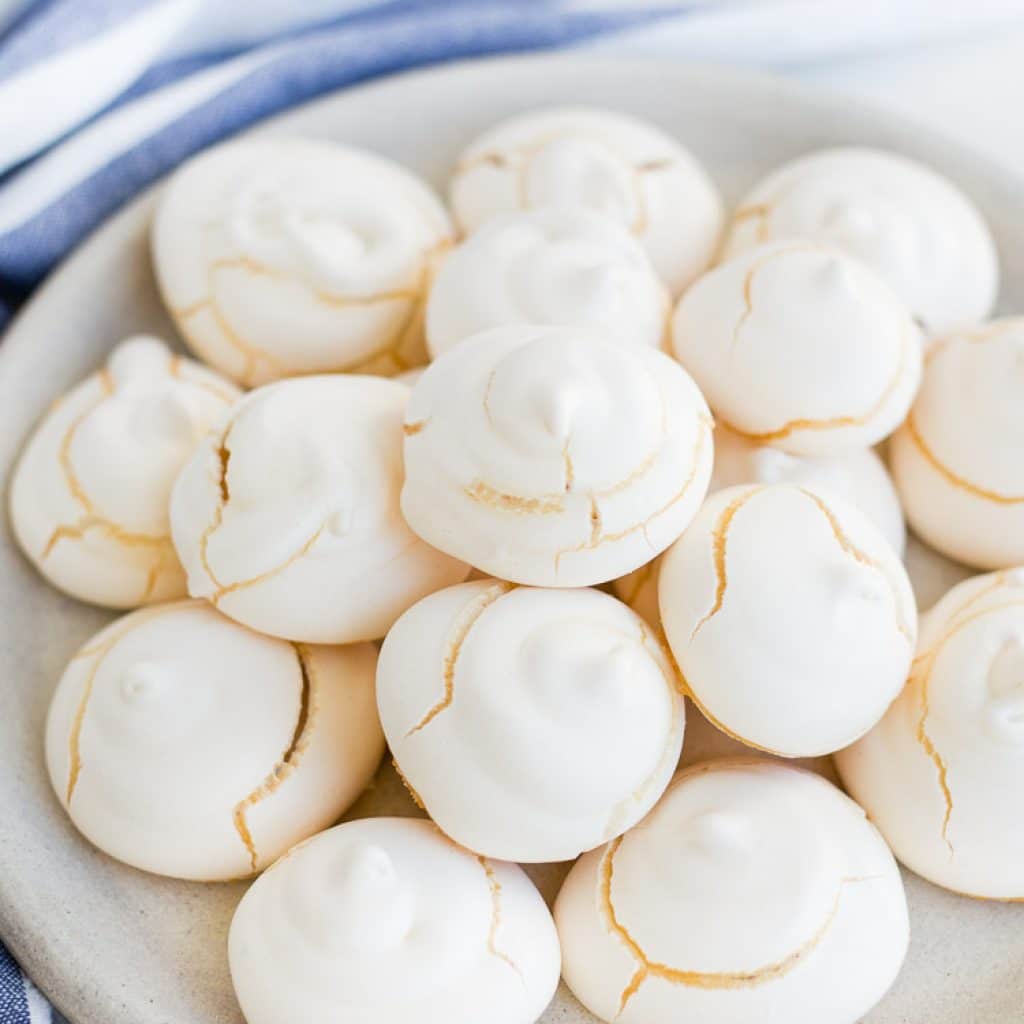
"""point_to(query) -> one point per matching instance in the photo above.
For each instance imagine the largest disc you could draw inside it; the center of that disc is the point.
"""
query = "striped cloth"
(98, 98)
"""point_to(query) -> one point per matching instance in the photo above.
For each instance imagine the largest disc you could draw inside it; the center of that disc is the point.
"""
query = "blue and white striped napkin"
(98, 98)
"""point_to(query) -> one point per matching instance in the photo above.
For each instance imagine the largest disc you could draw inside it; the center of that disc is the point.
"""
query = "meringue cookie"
(89, 494)
(553, 265)
(287, 518)
(522, 694)
(790, 617)
(184, 744)
(617, 165)
(552, 456)
(409, 377)
(291, 256)
(858, 477)
(797, 345)
(915, 229)
(942, 774)
(385, 921)
(753, 891)
(958, 461)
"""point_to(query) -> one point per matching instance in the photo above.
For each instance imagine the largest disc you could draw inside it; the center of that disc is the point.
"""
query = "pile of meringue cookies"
(646, 436)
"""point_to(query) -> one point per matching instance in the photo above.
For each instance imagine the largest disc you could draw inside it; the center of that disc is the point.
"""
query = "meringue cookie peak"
(287, 519)
(327, 931)
(89, 495)
(915, 229)
(822, 602)
(621, 167)
(799, 346)
(521, 693)
(279, 257)
(941, 774)
(957, 459)
(789, 870)
(553, 265)
(184, 744)
(553, 456)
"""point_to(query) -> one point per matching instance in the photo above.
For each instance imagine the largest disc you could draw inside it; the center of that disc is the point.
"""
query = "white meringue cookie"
(279, 257)
(753, 891)
(386, 921)
(287, 518)
(797, 345)
(182, 743)
(553, 265)
(89, 494)
(523, 695)
(942, 774)
(620, 166)
(915, 229)
(790, 617)
(958, 461)
(858, 477)
(552, 456)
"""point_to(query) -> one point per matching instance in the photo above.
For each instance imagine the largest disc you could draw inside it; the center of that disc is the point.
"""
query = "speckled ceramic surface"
(110, 945)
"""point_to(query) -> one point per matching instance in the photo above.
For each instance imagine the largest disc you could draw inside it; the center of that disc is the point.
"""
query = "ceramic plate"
(111, 945)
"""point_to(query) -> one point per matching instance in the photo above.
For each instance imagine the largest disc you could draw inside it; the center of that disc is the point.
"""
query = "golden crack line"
(412, 429)
(570, 472)
(74, 740)
(495, 890)
(485, 494)
(223, 454)
(702, 437)
(464, 624)
(75, 485)
(75, 531)
(860, 556)
(184, 312)
(225, 589)
(416, 798)
(835, 422)
(291, 757)
(340, 301)
(926, 669)
(702, 979)
(961, 483)
(748, 282)
(720, 537)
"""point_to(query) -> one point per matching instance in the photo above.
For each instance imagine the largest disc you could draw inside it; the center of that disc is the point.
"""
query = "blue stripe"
(316, 64)
(13, 1004)
(49, 29)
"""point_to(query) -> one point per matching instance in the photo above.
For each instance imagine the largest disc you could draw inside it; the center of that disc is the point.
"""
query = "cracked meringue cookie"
(184, 744)
(958, 461)
(914, 228)
(553, 265)
(287, 517)
(791, 618)
(796, 345)
(553, 456)
(521, 694)
(385, 919)
(90, 492)
(279, 257)
(748, 891)
(603, 161)
(942, 774)
(858, 477)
